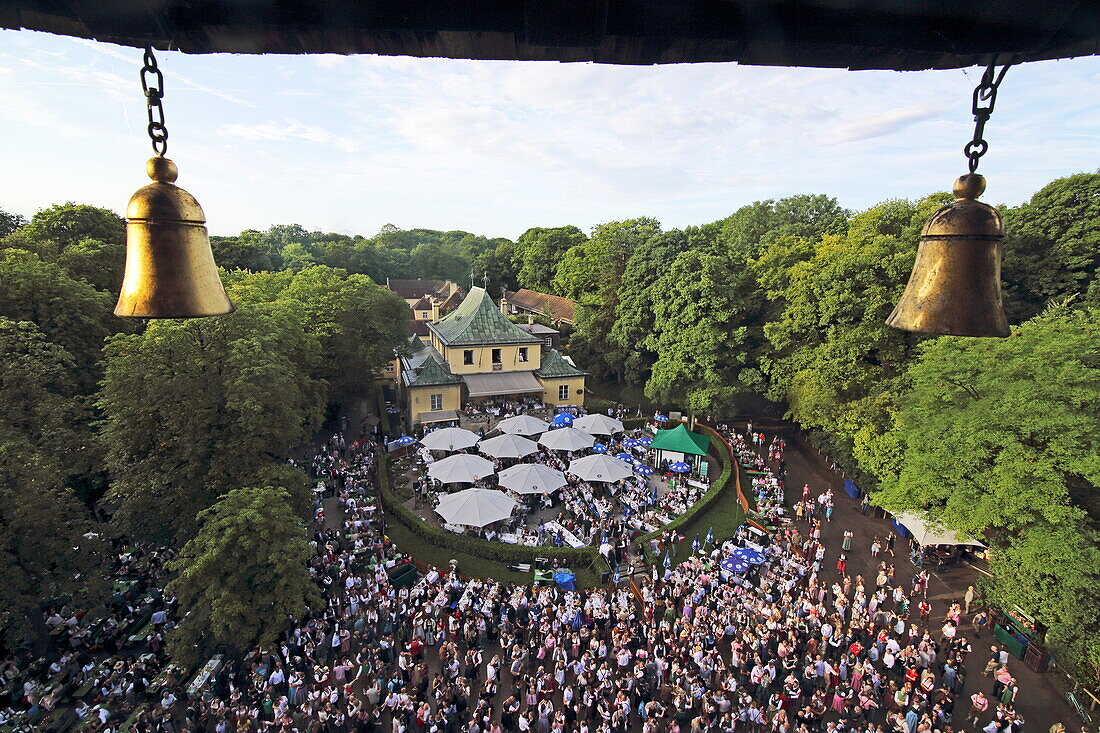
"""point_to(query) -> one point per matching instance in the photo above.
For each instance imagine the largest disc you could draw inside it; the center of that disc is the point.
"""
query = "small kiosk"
(680, 445)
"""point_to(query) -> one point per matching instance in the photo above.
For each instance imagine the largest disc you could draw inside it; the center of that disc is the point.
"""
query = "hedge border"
(730, 469)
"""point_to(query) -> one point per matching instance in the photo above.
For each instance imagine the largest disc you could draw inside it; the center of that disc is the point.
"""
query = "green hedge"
(499, 551)
(724, 481)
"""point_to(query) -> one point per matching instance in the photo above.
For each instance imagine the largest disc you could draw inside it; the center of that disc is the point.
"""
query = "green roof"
(555, 366)
(478, 322)
(681, 440)
(424, 367)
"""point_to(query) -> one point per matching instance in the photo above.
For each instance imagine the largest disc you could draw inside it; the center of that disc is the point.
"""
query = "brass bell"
(170, 270)
(955, 286)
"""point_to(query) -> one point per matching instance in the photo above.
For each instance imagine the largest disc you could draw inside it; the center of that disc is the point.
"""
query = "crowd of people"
(787, 645)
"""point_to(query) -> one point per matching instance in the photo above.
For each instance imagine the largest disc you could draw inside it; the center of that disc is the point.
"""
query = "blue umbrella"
(667, 561)
(643, 470)
(630, 443)
(659, 417)
(710, 536)
(617, 577)
(645, 440)
(405, 440)
(734, 564)
(563, 418)
(695, 544)
(625, 457)
(749, 555)
(679, 467)
(598, 448)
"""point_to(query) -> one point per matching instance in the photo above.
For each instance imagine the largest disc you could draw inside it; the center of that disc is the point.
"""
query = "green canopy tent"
(679, 444)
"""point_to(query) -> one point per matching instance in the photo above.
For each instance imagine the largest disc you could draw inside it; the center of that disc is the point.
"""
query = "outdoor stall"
(932, 546)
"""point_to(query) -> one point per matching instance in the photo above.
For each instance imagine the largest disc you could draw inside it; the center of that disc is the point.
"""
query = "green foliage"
(704, 333)
(752, 227)
(249, 251)
(71, 313)
(1001, 438)
(98, 263)
(195, 408)
(43, 434)
(540, 251)
(1052, 246)
(67, 224)
(9, 223)
(242, 576)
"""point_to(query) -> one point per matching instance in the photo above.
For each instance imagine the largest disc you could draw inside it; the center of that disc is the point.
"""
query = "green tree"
(1052, 246)
(705, 333)
(10, 223)
(808, 216)
(64, 225)
(71, 313)
(43, 435)
(1001, 438)
(831, 357)
(250, 250)
(98, 263)
(542, 249)
(242, 576)
(195, 408)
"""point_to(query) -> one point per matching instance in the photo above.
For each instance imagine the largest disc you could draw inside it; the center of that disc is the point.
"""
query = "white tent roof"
(449, 439)
(523, 425)
(475, 507)
(927, 535)
(461, 468)
(567, 439)
(600, 467)
(531, 478)
(598, 424)
(507, 446)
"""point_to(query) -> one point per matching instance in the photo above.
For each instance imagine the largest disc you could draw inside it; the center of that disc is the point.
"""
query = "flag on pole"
(668, 561)
(710, 536)
(695, 545)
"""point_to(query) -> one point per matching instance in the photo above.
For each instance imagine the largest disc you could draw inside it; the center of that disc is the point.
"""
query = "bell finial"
(161, 169)
(969, 186)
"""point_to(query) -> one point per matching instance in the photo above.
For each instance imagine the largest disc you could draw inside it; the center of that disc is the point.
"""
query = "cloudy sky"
(349, 144)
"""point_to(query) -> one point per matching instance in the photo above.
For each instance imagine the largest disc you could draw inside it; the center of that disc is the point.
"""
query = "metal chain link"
(152, 83)
(985, 97)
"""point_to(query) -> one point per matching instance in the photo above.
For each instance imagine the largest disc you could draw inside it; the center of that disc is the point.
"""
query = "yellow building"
(475, 354)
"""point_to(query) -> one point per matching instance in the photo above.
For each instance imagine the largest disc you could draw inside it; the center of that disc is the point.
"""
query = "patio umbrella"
(749, 555)
(734, 564)
(449, 439)
(631, 443)
(475, 507)
(710, 536)
(659, 417)
(531, 478)
(667, 562)
(643, 470)
(695, 544)
(563, 418)
(625, 457)
(405, 440)
(567, 439)
(507, 446)
(461, 468)
(645, 440)
(598, 424)
(523, 425)
(599, 467)
(599, 448)
(679, 467)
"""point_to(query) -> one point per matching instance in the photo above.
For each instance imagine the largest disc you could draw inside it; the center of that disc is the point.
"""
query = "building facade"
(476, 355)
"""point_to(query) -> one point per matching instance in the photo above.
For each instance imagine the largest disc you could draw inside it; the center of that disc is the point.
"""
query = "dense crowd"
(696, 648)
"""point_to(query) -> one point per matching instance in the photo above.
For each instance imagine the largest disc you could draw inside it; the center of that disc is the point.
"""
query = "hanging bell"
(955, 286)
(170, 270)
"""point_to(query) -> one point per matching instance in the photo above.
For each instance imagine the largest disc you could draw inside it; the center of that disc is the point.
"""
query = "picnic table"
(570, 539)
(205, 676)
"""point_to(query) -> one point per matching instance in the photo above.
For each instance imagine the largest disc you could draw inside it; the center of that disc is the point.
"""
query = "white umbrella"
(461, 468)
(925, 533)
(449, 439)
(523, 425)
(507, 446)
(475, 507)
(598, 424)
(531, 478)
(567, 439)
(600, 467)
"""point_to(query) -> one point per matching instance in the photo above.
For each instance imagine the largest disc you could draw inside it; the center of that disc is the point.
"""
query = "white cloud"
(879, 125)
(288, 130)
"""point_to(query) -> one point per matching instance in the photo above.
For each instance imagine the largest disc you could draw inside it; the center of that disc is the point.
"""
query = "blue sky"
(349, 144)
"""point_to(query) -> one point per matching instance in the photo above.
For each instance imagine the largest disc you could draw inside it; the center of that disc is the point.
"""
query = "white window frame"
(523, 353)
(563, 391)
(436, 402)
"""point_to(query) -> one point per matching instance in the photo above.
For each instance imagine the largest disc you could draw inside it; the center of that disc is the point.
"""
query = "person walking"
(875, 547)
(978, 705)
(846, 544)
(890, 543)
(968, 598)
